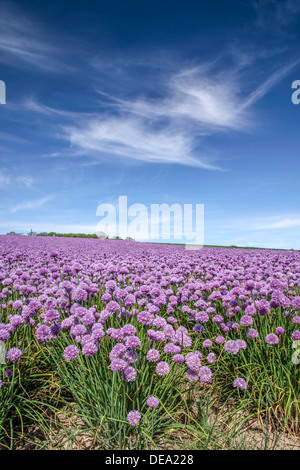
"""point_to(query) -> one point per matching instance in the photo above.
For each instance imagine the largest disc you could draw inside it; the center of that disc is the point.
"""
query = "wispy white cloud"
(198, 102)
(33, 204)
(23, 42)
(132, 139)
(201, 96)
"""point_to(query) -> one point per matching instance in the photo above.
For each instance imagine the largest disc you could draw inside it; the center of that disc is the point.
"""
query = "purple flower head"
(202, 317)
(4, 334)
(152, 402)
(43, 333)
(271, 338)
(240, 383)
(205, 374)
(89, 349)
(178, 358)
(220, 339)
(241, 344)
(199, 329)
(129, 373)
(171, 348)
(231, 347)
(279, 330)
(132, 342)
(134, 418)
(172, 320)
(246, 320)
(145, 318)
(117, 351)
(217, 319)
(192, 361)
(162, 368)
(211, 358)
(129, 329)
(13, 354)
(207, 343)
(130, 356)
(153, 355)
(296, 335)
(118, 364)
(70, 352)
(78, 330)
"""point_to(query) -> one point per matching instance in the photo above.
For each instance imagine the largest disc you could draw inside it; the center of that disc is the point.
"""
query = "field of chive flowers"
(128, 345)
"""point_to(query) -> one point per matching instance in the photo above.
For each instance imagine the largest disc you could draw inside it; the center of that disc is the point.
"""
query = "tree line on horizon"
(101, 235)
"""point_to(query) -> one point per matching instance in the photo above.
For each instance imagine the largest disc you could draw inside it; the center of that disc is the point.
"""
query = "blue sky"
(165, 102)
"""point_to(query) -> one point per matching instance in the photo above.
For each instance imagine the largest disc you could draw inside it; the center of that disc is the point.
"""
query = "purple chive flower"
(211, 358)
(129, 374)
(207, 343)
(152, 402)
(171, 348)
(296, 335)
(271, 338)
(153, 355)
(13, 354)
(199, 329)
(241, 344)
(279, 330)
(178, 358)
(118, 365)
(192, 361)
(89, 349)
(71, 352)
(246, 320)
(117, 351)
(134, 418)
(220, 339)
(129, 329)
(162, 368)
(240, 383)
(202, 317)
(231, 347)
(131, 356)
(296, 320)
(172, 320)
(1, 383)
(145, 318)
(43, 333)
(205, 374)
(132, 342)
(4, 334)
(8, 373)
(217, 319)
